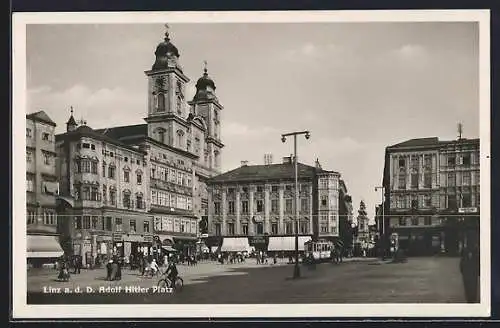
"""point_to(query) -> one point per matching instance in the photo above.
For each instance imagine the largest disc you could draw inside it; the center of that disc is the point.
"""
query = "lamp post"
(296, 270)
(382, 237)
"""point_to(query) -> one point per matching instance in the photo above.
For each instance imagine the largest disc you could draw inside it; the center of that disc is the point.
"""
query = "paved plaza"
(420, 280)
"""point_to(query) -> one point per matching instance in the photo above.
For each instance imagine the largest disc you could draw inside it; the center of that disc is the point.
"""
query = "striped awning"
(238, 244)
(43, 247)
(286, 243)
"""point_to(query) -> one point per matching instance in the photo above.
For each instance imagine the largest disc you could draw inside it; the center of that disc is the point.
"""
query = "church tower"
(206, 105)
(167, 111)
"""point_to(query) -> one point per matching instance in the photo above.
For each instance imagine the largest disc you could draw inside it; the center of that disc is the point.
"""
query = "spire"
(71, 124)
(205, 70)
(167, 35)
(459, 130)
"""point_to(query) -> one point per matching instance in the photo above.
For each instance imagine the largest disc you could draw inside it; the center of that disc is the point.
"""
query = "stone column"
(224, 212)
(311, 218)
(251, 225)
(237, 208)
(267, 209)
(281, 203)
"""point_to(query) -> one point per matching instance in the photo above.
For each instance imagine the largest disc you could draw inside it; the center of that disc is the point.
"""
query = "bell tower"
(167, 110)
(206, 105)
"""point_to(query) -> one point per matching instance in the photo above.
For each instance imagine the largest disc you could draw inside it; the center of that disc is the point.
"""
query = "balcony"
(172, 187)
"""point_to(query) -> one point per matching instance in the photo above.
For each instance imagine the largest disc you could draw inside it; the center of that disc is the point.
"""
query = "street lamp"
(382, 237)
(296, 270)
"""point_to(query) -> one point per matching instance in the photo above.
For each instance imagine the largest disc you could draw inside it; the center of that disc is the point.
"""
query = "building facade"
(180, 148)
(254, 206)
(428, 185)
(42, 189)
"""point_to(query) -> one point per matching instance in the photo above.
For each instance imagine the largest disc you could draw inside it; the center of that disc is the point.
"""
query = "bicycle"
(165, 282)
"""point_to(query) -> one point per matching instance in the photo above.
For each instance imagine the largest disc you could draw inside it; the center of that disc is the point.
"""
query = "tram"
(320, 250)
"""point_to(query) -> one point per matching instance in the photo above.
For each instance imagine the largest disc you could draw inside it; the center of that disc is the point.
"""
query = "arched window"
(161, 135)
(180, 138)
(126, 199)
(179, 106)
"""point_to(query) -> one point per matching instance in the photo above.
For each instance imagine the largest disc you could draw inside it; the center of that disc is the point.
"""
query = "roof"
(41, 116)
(267, 172)
(86, 131)
(127, 131)
(429, 142)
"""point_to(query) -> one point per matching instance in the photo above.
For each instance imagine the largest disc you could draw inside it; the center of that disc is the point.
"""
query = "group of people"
(68, 262)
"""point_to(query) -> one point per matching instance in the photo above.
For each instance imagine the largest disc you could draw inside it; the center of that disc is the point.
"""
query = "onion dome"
(205, 87)
(166, 54)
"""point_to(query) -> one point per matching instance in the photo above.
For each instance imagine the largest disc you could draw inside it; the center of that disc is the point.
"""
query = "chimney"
(268, 159)
(244, 163)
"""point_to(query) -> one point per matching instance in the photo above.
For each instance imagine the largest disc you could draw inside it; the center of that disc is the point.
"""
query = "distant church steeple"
(71, 124)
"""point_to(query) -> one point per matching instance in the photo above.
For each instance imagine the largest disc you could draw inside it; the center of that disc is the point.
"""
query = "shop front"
(185, 245)
(286, 244)
(420, 241)
(118, 245)
(136, 246)
(235, 244)
(259, 243)
(42, 249)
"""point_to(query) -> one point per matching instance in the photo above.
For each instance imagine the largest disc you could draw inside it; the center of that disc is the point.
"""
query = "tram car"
(320, 250)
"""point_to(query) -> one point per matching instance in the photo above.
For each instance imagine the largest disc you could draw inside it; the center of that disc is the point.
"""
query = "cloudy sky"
(358, 87)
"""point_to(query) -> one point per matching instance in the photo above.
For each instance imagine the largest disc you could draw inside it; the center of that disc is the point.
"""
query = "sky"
(357, 87)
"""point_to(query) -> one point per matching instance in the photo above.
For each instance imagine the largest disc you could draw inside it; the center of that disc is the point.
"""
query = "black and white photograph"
(251, 164)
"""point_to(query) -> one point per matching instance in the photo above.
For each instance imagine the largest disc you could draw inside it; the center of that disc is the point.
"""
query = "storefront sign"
(257, 240)
(467, 210)
(117, 237)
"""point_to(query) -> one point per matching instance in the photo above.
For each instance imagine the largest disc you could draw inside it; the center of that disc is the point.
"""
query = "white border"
(23, 311)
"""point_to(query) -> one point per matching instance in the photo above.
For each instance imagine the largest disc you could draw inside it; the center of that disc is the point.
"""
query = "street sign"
(467, 210)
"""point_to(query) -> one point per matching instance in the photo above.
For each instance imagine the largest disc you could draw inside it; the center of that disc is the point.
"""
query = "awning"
(43, 246)
(286, 243)
(239, 244)
(169, 248)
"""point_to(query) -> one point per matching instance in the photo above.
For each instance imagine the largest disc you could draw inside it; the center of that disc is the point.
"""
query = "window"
(86, 145)
(95, 222)
(451, 160)
(126, 199)
(466, 179)
(30, 183)
(125, 159)
(46, 158)
(414, 203)
(133, 226)
(452, 202)
(260, 206)
(289, 228)
(451, 180)
(78, 222)
(324, 228)
(94, 193)
(414, 180)
(288, 206)
(427, 220)
(45, 136)
(244, 189)
(260, 189)
(92, 146)
(104, 169)
(466, 200)
(126, 176)
(259, 228)
(274, 228)
(274, 206)
(93, 167)
(86, 222)
(466, 159)
(401, 202)
(230, 207)
(244, 228)
(402, 163)
(109, 225)
(275, 189)
(118, 225)
(218, 230)
(402, 221)
(217, 210)
(401, 181)
(29, 156)
(139, 178)
(139, 202)
(324, 200)
(414, 221)
(428, 161)
(86, 193)
(31, 217)
(244, 206)
(161, 136)
(112, 197)
(104, 193)
(414, 162)
(427, 201)
(111, 172)
(230, 229)
(304, 205)
(288, 188)
(427, 180)
(323, 183)
(304, 227)
(28, 133)
(146, 226)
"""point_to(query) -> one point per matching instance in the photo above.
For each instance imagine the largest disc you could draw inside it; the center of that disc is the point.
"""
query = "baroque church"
(175, 152)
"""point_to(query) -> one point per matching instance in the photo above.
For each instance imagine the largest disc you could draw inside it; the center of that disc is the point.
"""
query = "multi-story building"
(346, 231)
(363, 230)
(428, 183)
(104, 182)
(41, 190)
(182, 144)
(254, 206)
